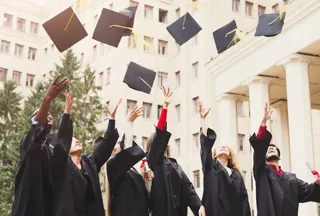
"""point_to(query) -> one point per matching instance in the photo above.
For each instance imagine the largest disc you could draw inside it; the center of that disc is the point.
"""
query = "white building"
(193, 71)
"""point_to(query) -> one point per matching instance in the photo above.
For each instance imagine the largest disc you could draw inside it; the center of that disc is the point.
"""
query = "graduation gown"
(30, 197)
(223, 195)
(278, 196)
(77, 192)
(171, 190)
(128, 193)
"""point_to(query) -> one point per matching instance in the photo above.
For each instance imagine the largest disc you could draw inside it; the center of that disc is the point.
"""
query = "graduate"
(76, 175)
(171, 190)
(278, 193)
(224, 192)
(128, 194)
(33, 187)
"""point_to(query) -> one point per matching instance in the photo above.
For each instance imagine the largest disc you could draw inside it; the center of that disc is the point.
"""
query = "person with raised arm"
(171, 191)
(76, 175)
(224, 191)
(128, 194)
(278, 193)
(33, 185)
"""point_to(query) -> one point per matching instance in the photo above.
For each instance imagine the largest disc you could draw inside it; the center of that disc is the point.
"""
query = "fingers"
(168, 93)
(164, 90)
(119, 101)
(56, 80)
(62, 84)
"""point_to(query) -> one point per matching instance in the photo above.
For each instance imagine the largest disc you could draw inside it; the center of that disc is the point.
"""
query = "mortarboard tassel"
(238, 36)
(80, 4)
(313, 171)
(194, 5)
(281, 12)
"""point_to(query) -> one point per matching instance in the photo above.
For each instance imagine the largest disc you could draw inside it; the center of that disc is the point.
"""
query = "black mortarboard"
(109, 29)
(65, 29)
(227, 36)
(139, 78)
(130, 12)
(184, 29)
(270, 25)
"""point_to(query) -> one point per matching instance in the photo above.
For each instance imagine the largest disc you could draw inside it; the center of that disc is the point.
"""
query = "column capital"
(256, 79)
(294, 58)
(226, 96)
(282, 105)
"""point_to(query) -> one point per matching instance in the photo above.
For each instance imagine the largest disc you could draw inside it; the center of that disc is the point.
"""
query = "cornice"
(298, 10)
(294, 58)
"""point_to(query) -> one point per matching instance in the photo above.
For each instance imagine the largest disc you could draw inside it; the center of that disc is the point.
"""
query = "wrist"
(47, 99)
(263, 123)
(165, 106)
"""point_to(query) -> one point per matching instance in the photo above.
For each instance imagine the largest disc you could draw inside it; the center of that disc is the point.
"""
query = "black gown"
(171, 190)
(77, 192)
(275, 195)
(223, 195)
(34, 181)
(128, 193)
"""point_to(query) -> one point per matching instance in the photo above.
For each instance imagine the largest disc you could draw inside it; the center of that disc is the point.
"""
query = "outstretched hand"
(56, 88)
(203, 111)
(167, 96)
(267, 114)
(112, 113)
(69, 102)
(202, 211)
(133, 114)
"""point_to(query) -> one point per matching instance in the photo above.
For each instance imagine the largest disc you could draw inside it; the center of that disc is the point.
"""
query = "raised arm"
(160, 139)
(261, 141)
(133, 114)
(103, 146)
(308, 192)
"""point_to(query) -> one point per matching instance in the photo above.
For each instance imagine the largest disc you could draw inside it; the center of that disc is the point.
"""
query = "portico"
(283, 71)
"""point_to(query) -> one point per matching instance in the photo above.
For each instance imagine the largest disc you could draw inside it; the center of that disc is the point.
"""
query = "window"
(159, 111)
(178, 112)
(194, 9)
(148, 44)
(81, 57)
(108, 76)
(249, 7)
(148, 12)
(285, 2)
(111, 6)
(52, 47)
(163, 16)
(101, 49)
(32, 53)
(162, 78)
(195, 104)
(275, 8)
(18, 50)
(3, 74)
(195, 70)
(241, 142)
(177, 147)
(240, 108)
(133, 3)
(251, 181)
(244, 173)
(195, 40)
(178, 13)
(162, 47)
(5, 46)
(34, 27)
(144, 143)
(100, 80)
(196, 142)
(147, 109)
(178, 79)
(29, 81)
(96, 18)
(134, 138)
(46, 51)
(94, 53)
(16, 77)
(261, 10)
(235, 5)
(131, 104)
(7, 20)
(21, 24)
(196, 179)
(132, 41)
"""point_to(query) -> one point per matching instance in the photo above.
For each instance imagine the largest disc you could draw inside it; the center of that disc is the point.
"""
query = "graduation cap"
(130, 12)
(139, 78)
(184, 29)
(227, 36)
(270, 25)
(65, 29)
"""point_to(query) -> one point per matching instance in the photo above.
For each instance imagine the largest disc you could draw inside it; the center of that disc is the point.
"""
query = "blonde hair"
(232, 162)
(148, 146)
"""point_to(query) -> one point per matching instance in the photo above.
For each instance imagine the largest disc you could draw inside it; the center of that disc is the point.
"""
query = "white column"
(280, 131)
(258, 96)
(300, 127)
(228, 121)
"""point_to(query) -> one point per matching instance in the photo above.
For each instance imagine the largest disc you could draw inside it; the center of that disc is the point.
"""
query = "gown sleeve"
(194, 202)
(308, 192)
(207, 141)
(260, 146)
(103, 146)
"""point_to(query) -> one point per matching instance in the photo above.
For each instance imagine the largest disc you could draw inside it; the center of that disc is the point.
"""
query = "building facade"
(192, 71)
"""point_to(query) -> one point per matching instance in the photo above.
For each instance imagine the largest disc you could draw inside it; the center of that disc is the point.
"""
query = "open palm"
(203, 111)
